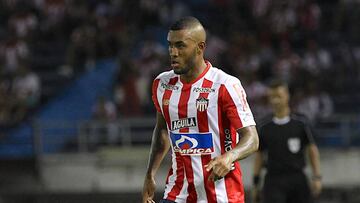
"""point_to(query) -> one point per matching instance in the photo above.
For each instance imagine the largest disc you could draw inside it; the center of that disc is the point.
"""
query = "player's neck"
(195, 72)
(282, 113)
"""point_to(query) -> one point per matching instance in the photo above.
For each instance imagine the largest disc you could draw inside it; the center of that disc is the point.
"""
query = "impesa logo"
(192, 143)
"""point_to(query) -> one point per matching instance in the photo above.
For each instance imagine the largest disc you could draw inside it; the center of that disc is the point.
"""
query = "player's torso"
(199, 132)
(192, 114)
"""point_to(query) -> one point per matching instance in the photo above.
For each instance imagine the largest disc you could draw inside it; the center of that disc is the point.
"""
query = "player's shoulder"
(219, 76)
(166, 76)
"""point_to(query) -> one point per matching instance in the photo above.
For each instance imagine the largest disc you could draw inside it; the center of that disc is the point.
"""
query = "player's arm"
(247, 145)
(159, 147)
(314, 157)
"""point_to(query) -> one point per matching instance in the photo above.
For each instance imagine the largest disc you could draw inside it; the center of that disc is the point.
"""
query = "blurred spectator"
(22, 23)
(282, 19)
(81, 52)
(104, 130)
(309, 15)
(13, 52)
(104, 110)
(314, 104)
(5, 113)
(286, 63)
(247, 59)
(215, 48)
(150, 62)
(256, 95)
(126, 96)
(172, 10)
(26, 90)
(316, 60)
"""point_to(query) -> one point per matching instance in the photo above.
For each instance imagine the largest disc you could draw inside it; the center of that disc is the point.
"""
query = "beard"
(188, 65)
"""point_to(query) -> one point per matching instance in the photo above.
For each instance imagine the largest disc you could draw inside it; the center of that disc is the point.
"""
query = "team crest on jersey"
(192, 143)
(183, 123)
(202, 104)
(294, 145)
(169, 87)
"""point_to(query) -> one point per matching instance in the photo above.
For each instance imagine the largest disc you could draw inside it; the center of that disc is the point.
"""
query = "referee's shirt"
(285, 141)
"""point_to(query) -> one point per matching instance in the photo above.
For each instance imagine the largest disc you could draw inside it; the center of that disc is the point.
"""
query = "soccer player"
(285, 138)
(203, 116)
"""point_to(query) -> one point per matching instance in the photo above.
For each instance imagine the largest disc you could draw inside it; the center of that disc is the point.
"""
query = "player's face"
(278, 97)
(182, 51)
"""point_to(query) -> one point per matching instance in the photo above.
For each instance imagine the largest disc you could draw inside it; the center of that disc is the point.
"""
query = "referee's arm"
(314, 157)
(258, 164)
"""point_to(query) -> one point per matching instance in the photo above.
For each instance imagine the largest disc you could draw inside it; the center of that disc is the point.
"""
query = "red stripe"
(179, 182)
(233, 182)
(175, 191)
(203, 124)
(154, 94)
(182, 111)
(230, 108)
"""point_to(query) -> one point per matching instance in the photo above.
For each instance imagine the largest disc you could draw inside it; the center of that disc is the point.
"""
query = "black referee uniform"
(284, 141)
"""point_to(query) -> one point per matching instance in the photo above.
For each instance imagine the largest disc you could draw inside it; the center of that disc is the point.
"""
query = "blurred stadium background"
(76, 116)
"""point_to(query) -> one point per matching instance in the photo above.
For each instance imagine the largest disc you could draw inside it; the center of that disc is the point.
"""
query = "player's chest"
(190, 98)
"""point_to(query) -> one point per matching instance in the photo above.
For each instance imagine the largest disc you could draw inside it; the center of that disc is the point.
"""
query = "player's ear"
(201, 47)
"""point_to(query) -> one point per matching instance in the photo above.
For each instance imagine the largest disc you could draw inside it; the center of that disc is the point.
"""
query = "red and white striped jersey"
(202, 118)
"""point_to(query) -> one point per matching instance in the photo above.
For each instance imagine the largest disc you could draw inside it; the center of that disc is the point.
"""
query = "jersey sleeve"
(154, 96)
(307, 128)
(309, 138)
(261, 125)
(235, 105)
(262, 143)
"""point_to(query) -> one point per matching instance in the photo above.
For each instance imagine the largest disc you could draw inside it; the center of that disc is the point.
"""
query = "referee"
(285, 138)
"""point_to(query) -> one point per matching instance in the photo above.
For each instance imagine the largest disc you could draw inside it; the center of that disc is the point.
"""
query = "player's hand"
(148, 190)
(219, 167)
(316, 187)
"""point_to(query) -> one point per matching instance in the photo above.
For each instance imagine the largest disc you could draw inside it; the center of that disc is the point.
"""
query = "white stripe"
(198, 178)
(221, 194)
(196, 160)
(159, 95)
(181, 198)
(172, 178)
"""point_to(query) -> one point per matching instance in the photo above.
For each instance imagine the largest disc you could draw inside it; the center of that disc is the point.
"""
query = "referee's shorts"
(287, 188)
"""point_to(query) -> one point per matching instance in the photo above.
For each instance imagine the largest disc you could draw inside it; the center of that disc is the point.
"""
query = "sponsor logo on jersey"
(202, 104)
(241, 93)
(203, 90)
(183, 123)
(294, 144)
(192, 143)
(169, 87)
(228, 144)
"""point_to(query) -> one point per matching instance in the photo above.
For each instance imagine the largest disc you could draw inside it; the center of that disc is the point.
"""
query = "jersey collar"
(208, 65)
(281, 121)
